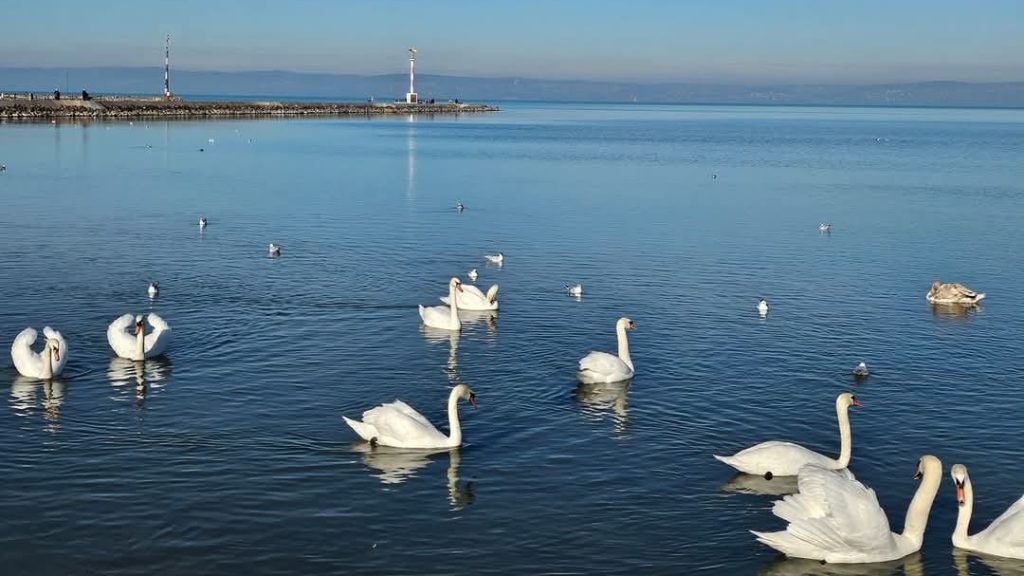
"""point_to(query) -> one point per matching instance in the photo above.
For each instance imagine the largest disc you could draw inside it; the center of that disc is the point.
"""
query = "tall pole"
(167, 66)
(412, 70)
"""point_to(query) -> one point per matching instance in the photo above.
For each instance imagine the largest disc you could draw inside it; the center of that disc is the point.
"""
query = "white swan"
(953, 294)
(273, 249)
(1004, 537)
(153, 290)
(398, 425)
(498, 258)
(471, 298)
(446, 317)
(837, 519)
(775, 458)
(574, 289)
(138, 346)
(598, 367)
(44, 365)
(473, 275)
(762, 307)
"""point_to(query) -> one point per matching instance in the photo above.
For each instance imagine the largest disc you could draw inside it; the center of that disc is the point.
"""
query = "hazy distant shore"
(44, 107)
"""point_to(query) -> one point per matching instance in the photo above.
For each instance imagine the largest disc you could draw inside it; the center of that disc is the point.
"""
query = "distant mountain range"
(277, 84)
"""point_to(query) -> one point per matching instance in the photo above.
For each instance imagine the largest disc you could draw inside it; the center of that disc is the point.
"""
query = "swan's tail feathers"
(728, 460)
(979, 297)
(421, 313)
(788, 544)
(365, 431)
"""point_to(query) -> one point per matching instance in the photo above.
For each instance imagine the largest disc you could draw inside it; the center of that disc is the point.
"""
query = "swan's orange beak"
(138, 328)
(459, 286)
(56, 354)
(472, 400)
(960, 493)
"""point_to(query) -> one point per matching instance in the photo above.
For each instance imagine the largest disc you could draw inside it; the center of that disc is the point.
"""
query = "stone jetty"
(113, 108)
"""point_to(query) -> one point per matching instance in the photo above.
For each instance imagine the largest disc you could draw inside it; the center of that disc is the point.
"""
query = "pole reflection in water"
(487, 318)
(782, 566)
(596, 399)
(128, 375)
(452, 338)
(23, 398)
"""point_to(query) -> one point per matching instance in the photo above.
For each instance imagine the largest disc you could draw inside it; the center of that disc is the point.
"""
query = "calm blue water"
(231, 456)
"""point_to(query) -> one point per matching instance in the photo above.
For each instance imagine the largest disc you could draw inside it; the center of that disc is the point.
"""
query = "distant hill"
(392, 86)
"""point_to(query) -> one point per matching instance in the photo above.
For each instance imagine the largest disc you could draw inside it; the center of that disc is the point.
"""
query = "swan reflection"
(395, 466)
(23, 396)
(782, 566)
(452, 338)
(965, 560)
(127, 374)
(603, 397)
(753, 484)
(474, 318)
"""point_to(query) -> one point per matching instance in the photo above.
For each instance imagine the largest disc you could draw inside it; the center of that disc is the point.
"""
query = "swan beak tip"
(857, 403)
(960, 493)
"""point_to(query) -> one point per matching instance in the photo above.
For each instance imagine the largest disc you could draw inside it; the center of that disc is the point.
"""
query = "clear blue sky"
(645, 40)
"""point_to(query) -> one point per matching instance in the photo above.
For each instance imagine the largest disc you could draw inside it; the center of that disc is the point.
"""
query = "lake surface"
(231, 457)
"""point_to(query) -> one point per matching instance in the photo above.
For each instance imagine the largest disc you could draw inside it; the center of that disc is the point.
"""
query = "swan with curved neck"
(472, 298)
(775, 458)
(400, 426)
(602, 367)
(45, 365)
(138, 346)
(444, 317)
(1004, 537)
(834, 518)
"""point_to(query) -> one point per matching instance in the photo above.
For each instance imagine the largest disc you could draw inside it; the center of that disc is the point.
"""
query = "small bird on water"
(473, 275)
(860, 371)
(762, 307)
(823, 227)
(3, 167)
(274, 249)
(574, 289)
(153, 289)
(498, 258)
(459, 207)
(202, 222)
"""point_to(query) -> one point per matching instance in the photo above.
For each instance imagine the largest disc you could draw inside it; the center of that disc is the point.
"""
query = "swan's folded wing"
(435, 314)
(25, 360)
(1008, 529)
(409, 411)
(120, 340)
(601, 362)
(62, 347)
(157, 340)
(395, 424)
(834, 512)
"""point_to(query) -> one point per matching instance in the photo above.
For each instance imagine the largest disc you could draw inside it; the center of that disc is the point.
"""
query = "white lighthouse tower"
(167, 67)
(410, 96)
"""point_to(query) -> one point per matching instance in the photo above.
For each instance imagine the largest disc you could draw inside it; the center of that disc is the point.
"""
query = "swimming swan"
(598, 367)
(138, 346)
(952, 294)
(1004, 536)
(775, 458)
(398, 425)
(446, 317)
(471, 298)
(44, 365)
(837, 519)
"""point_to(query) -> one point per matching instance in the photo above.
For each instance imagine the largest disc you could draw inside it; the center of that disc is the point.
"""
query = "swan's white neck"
(47, 362)
(453, 303)
(455, 435)
(140, 346)
(845, 438)
(963, 519)
(921, 505)
(620, 331)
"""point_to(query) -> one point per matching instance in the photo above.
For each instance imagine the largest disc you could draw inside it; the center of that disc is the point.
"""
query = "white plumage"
(273, 249)
(1003, 537)
(775, 458)
(400, 426)
(836, 519)
(445, 317)
(597, 367)
(45, 364)
(153, 290)
(574, 290)
(138, 346)
(471, 298)
(762, 307)
(498, 258)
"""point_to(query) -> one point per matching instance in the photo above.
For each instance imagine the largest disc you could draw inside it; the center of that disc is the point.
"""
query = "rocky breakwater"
(128, 108)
